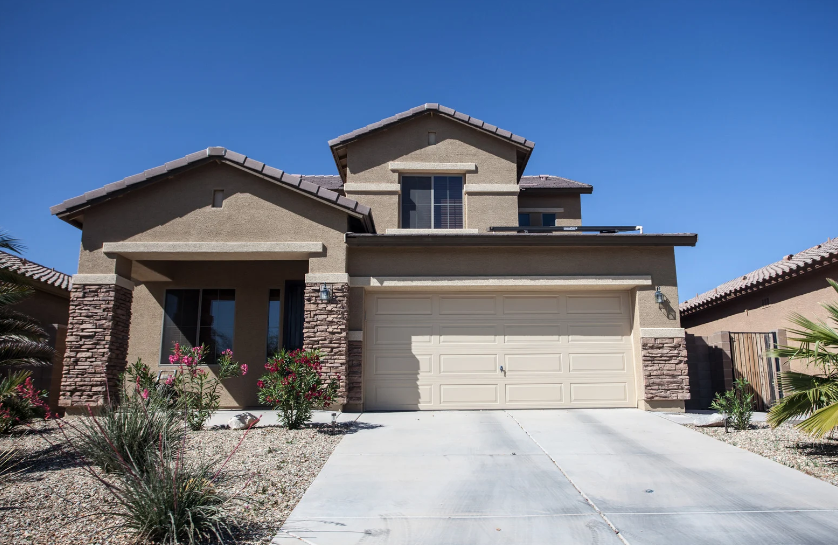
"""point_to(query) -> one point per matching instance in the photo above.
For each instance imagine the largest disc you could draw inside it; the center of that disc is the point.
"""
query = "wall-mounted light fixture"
(658, 295)
(325, 293)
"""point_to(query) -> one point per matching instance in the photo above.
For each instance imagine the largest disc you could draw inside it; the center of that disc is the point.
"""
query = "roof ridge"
(777, 271)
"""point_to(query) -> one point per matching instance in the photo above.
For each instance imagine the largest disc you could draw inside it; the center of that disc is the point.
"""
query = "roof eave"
(521, 239)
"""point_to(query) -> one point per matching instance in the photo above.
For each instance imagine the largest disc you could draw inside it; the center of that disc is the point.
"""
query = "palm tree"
(812, 396)
(22, 339)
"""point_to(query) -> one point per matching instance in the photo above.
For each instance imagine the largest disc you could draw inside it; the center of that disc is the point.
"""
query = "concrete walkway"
(562, 476)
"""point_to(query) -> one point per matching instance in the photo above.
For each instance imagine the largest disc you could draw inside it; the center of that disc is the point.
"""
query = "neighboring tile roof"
(790, 266)
(545, 181)
(34, 271)
(215, 153)
(329, 181)
(432, 107)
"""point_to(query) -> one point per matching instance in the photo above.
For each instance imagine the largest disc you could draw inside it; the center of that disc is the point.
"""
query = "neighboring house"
(49, 304)
(758, 302)
(408, 271)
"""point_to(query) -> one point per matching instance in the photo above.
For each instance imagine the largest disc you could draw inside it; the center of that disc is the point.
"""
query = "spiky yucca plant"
(812, 396)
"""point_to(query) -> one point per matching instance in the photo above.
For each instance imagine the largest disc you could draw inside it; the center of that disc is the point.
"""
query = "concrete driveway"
(606, 476)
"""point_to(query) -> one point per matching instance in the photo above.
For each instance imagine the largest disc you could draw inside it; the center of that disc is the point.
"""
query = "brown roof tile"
(35, 272)
(546, 181)
(790, 266)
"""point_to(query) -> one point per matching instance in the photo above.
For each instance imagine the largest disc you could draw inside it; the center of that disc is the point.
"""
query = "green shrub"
(737, 405)
(294, 385)
(198, 392)
(129, 434)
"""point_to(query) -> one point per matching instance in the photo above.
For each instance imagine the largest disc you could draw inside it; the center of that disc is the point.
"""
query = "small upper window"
(431, 138)
(548, 220)
(218, 198)
(432, 202)
(523, 220)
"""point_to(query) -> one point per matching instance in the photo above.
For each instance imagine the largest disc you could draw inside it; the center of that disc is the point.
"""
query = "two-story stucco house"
(430, 273)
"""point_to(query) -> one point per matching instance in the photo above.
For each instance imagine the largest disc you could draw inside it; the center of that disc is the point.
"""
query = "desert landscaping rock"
(785, 445)
(56, 501)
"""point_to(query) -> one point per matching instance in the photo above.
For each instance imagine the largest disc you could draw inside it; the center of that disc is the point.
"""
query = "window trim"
(432, 175)
(198, 326)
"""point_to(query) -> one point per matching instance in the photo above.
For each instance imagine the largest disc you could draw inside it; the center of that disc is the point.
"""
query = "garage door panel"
(469, 394)
(402, 364)
(402, 395)
(468, 305)
(532, 363)
(388, 335)
(599, 392)
(486, 364)
(596, 333)
(532, 333)
(595, 304)
(534, 394)
(444, 350)
(468, 334)
(530, 304)
(406, 306)
(597, 362)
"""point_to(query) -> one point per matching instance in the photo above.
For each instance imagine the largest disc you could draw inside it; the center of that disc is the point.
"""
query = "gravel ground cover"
(786, 445)
(56, 501)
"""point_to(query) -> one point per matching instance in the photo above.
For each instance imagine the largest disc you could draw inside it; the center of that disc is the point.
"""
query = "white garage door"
(497, 350)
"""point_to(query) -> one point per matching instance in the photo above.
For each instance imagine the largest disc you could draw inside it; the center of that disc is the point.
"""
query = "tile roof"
(433, 107)
(329, 181)
(546, 181)
(790, 266)
(34, 271)
(295, 181)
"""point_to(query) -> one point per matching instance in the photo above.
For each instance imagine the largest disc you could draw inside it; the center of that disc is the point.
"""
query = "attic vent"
(218, 198)
(431, 138)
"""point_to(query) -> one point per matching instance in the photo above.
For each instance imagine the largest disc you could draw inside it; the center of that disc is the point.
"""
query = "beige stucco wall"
(368, 161)
(179, 210)
(252, 281)
(659, 262)
(571, 205)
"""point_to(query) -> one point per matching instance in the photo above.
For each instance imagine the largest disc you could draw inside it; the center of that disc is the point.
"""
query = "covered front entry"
(491, 350)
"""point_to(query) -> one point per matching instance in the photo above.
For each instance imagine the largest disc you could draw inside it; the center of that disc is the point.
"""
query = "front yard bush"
(198, 391)
(20, 402)
(737, 405)
(294, 385)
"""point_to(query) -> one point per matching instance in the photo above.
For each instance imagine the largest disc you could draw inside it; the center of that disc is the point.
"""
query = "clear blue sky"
(719, 118)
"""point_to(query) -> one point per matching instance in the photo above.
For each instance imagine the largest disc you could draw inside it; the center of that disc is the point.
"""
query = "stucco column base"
(665, 370)
(325, 328)
(97, 344)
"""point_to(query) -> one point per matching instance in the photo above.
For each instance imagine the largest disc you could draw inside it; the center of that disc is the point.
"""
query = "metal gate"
(748, 351)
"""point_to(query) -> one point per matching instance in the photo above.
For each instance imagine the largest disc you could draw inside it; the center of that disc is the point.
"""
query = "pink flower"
(170, 380)
(144, 393)
(260, 383)
(244, 368)
(172, 359)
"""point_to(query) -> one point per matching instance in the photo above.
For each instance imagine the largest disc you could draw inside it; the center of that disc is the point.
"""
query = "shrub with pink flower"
(295, 384)
(20, 402)
(197, 391)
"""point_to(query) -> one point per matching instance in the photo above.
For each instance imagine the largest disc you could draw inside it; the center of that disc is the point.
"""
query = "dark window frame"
(435, 182)
(200, 327)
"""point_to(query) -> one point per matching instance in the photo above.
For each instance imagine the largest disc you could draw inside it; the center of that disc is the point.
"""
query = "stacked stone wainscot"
(665, 370)
(355, 395)
(325, 329)
(96, 344)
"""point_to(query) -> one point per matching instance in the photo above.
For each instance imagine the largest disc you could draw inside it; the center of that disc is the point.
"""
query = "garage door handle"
(501, 368)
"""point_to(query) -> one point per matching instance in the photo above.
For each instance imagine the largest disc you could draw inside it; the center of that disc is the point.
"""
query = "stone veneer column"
(665, 370)
(97, 342)
(325, 329)
(355, 395)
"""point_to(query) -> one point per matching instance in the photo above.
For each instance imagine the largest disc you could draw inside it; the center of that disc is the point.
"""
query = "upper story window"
(432, 202)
